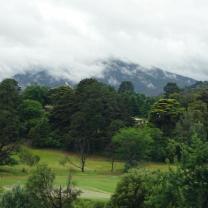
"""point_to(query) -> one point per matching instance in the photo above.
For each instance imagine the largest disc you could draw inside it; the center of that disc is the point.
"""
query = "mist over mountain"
(147, 81)
(41, 77)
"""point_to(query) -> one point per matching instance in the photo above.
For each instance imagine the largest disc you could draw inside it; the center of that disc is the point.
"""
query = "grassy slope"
(96, 182)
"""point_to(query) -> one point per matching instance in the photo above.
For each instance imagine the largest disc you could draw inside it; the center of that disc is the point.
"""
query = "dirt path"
(89, 194)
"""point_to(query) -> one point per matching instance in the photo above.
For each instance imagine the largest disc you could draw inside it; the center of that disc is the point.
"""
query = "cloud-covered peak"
(72, 37)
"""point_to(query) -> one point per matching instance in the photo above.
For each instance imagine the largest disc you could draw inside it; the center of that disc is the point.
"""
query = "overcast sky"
(73, 35)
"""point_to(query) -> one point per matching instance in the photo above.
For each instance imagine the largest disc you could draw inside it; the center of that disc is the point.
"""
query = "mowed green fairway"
(97, 182)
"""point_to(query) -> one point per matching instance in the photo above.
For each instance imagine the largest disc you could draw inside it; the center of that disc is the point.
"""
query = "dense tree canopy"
(31, 112)
(9, 119)
(36, 92)
(9, 94)
(133, 144)
(9, 135)
(126, 86)
(171, 88)
(165, 113)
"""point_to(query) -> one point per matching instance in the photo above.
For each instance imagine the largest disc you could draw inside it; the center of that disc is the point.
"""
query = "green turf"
(96, 182)
(97, 176)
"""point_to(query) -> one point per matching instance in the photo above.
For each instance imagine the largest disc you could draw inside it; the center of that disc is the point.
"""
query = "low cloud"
(71, 37)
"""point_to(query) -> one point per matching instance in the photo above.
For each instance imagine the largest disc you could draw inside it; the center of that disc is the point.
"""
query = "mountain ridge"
(147, 81)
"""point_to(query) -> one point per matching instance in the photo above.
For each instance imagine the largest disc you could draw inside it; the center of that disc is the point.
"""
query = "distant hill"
(146, 81)
(41, 77)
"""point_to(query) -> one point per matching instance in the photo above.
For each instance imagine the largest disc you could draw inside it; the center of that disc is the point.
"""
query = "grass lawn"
(97, 182)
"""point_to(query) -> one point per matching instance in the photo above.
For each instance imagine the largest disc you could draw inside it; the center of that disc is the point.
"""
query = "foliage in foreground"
(40, 192)
(86, 203)
(175, 188)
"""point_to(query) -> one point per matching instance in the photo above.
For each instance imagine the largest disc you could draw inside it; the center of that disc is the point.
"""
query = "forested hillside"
(121, 125)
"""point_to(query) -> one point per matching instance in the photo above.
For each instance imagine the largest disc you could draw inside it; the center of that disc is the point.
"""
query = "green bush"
(132, 190)
(16, 198)
(40, 192)
(28, 158)
(86, 203)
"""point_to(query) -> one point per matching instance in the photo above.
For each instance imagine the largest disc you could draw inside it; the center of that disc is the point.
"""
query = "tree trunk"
(84, 149)
(83, 159)
(112, 165)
